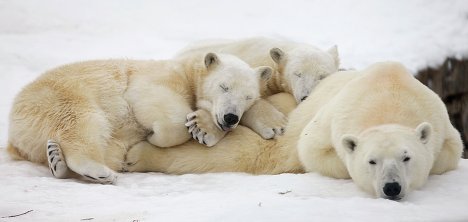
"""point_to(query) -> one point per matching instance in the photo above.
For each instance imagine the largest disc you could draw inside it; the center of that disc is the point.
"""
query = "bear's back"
(386, 93)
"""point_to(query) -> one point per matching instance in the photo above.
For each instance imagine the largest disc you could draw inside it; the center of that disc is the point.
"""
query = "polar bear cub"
(298, 68)
(84, 116)
(221, 84)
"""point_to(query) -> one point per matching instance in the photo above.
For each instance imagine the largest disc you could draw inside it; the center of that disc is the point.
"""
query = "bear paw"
(202, 128)
(135, 157)
(269, 128)
(99, 173)
(56, 161)
(271, 132)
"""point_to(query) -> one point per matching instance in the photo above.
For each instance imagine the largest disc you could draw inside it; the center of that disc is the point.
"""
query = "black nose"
(231, 119)
(392, 189)
(303, 98)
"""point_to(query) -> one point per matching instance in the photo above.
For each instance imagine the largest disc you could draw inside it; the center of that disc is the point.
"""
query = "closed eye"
(372, 162)
(248, 97)
(298, 74)
(224, 87)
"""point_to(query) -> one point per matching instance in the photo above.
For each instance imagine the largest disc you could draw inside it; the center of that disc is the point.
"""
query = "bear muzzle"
(230, 121)
(392, 191)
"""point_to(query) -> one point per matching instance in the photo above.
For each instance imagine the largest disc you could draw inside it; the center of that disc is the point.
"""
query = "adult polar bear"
(379, 126)
(298, 68)
(96, 110)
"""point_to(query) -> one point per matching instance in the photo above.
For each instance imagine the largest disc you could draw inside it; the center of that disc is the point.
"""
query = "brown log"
(450, 82)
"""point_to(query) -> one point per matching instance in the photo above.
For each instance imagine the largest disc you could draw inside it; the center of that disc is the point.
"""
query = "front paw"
(272, 127)
(202, 128)
(272, 132)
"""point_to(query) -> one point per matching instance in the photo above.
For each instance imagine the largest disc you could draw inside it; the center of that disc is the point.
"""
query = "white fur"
(383, 112)
(232, 87)
(379, 118)
(300, 68)
(94, 111)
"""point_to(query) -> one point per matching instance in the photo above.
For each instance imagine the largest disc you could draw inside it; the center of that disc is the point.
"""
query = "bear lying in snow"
(379, 126)
(298, 69)
(96, 110)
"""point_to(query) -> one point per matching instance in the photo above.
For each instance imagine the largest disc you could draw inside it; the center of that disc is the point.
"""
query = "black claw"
(52, 171)
(90, 177)
(50, 152)
(52, 158)
(55, 167)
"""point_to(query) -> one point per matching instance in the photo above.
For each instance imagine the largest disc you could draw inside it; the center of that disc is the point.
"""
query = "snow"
(38, 35)
(221, 197)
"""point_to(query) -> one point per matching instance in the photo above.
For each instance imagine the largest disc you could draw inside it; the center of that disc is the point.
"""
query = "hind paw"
(108, 178)
(96, 172)
(56, 161)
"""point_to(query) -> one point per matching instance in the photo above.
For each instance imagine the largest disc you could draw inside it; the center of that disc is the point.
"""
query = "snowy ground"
(38, 35)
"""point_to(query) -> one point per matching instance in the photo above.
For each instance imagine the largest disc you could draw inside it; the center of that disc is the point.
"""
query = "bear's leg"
(163, 110)
(316, 151)
(203, 129)
(56, 161)
(264, 119)
(85, 145)
(143, 157)
(86, 161)
(240, 151)
(167, 116)
(169, 132)
(450, 153)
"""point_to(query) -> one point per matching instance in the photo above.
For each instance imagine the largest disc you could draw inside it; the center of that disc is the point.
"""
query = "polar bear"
(93, 111)
(379, 126)
(298, 68)
(225, 87)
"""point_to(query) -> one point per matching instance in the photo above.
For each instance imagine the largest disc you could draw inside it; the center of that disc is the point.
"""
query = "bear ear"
(277, 55)
(349, 142)
(211, 60)
(423, 132)
(333, 51)
(264, 72)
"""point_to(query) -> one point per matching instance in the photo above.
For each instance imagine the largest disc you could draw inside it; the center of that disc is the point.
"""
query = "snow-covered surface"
(233, 197)
(38, 35)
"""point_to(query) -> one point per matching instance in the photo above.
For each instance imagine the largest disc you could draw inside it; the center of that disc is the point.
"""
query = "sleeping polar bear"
(96, 110)
(298, 69)
(380, 126)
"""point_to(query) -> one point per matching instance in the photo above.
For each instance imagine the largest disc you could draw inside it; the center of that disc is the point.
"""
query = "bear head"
(389, 160)
(230, 88)
(302, 68)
